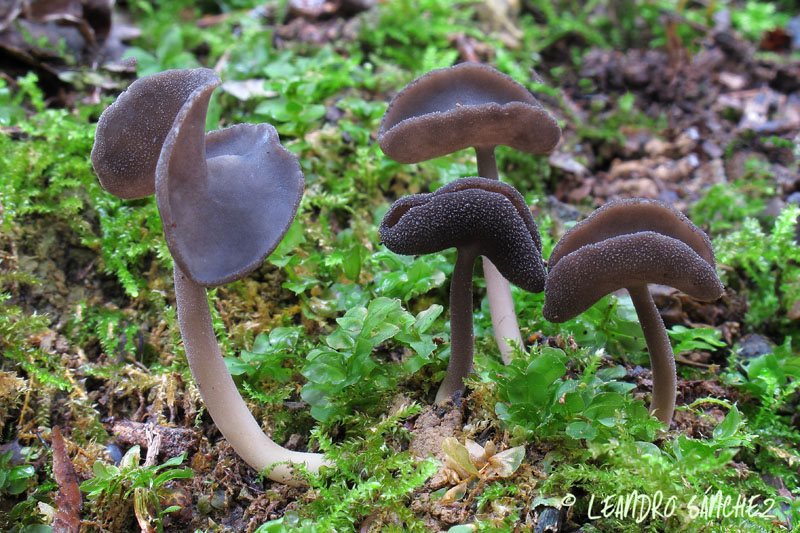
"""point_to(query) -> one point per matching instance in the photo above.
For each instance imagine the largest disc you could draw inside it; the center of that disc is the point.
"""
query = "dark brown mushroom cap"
(627, 243)
(470, 211)
(631, 215)
(467, 105)
(131, 131)
(584, 276)
(227, 198)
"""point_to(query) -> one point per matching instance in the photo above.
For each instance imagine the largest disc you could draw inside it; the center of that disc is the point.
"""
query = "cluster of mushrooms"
(227, 197)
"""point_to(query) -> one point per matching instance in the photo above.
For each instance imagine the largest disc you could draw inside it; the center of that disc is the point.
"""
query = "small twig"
(25, 402)
(153, 444)
(683, 20)
(689, 362)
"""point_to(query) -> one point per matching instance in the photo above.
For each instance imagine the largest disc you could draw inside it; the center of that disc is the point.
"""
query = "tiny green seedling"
(14, 478)
(144, 482)
(538, 401)
(344, 374)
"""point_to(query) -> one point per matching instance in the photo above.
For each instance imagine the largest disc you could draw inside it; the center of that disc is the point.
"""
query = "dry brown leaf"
(67, 517)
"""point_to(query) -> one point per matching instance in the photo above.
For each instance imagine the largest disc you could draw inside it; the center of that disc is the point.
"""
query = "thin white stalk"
(501, 308)
(501, 305)
(220, 395)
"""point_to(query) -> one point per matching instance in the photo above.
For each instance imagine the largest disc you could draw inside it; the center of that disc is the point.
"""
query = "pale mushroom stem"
(501, 304)
(220, 395)
(662, 358)
(462, 346)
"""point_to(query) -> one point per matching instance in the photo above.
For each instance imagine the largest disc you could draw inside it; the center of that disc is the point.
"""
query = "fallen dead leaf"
(68, 500)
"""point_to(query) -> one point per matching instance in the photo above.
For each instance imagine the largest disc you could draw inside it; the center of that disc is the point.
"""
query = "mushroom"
(470, 105)
(226, 199)
(628, 244)
(477, 216)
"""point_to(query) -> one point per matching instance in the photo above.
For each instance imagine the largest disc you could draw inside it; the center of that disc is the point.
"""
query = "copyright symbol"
(568, 500)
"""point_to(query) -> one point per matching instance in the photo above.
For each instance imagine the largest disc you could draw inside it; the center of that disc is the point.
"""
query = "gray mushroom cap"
(625, 243)
(131, 131)
(226, 198)
(470, 211)
(467, 105)
(225, 206)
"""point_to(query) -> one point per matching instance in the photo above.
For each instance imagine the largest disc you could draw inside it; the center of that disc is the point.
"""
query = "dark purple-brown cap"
(485, 213)
(626, 243)
(131, 131)
(467, 105)
(632, 215)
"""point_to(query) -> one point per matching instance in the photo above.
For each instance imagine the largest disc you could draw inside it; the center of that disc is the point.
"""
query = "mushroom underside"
(518, 125)
(469, 104)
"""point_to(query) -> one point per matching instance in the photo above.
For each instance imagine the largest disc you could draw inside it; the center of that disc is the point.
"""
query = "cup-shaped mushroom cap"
(467, 105)
(227, 198)
(630, 216)
(626, 243)
(131, 131)
(488, 214)
(584, 276)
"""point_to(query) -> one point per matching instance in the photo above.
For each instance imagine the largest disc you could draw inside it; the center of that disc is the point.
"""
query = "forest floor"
(338, 344)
